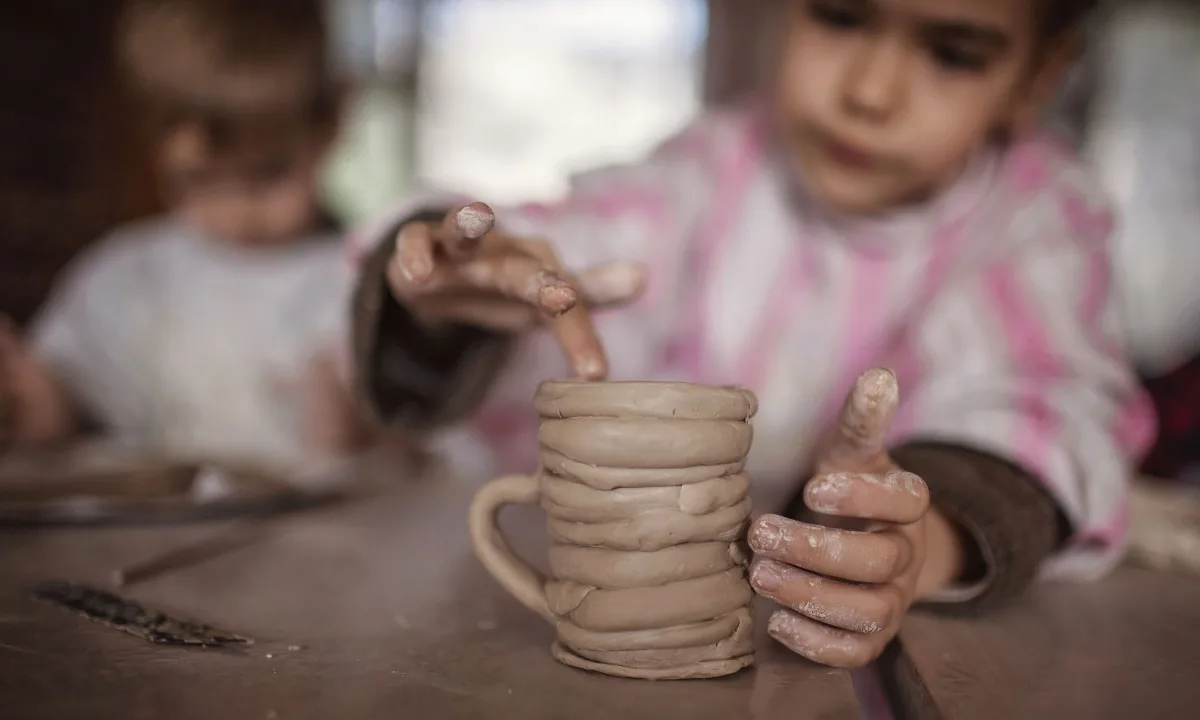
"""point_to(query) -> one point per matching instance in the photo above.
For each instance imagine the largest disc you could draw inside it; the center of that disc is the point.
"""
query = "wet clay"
(647, 510)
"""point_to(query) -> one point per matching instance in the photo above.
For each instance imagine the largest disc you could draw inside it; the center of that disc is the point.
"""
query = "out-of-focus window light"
(376, 48)
(517, 95)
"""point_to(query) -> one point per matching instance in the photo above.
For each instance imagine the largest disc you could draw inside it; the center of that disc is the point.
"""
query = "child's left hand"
(845, 589)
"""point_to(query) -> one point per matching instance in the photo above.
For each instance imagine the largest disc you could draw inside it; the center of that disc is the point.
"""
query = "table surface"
(1125, 647)
(392, 615)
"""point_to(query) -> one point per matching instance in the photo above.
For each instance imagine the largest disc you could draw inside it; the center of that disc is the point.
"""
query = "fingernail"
(766, 536)
(782, 624)
(878, 385)
(765, 577)
(591, 369)
(475, 220)
(909, 482)
(557, 298)
(826, 493)
(416, 270)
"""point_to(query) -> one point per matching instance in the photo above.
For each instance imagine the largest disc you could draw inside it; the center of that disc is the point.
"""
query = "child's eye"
(837, 15)
(956, 58)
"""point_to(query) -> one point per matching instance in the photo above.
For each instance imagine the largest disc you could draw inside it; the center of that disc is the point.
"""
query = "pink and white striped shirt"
(992, 303)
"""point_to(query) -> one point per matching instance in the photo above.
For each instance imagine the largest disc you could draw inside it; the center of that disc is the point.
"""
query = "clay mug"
(647, 511)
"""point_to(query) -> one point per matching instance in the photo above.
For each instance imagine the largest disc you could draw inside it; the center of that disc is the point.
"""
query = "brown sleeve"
(1010, 523)
(406, 372)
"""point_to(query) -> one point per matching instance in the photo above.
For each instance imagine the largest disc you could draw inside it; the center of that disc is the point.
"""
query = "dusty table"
(1126, 647)
(391, 614)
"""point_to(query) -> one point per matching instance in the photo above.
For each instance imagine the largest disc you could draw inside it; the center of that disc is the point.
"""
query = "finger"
(570, 320)
(463, 228)
(603, 286)
(862, 426)
(574, 329)
(576, 334)
(611, 284)
(563, 297)
(522, 277)
(483, 310)
(896, 497)
(519, 277)
(413, 262)
(866, 557)
(823, 644)
(863, 609)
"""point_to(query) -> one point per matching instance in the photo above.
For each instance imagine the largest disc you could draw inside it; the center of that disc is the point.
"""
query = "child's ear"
(1044, 82)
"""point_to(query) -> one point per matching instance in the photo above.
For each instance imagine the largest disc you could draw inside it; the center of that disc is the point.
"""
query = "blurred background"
(505, 99)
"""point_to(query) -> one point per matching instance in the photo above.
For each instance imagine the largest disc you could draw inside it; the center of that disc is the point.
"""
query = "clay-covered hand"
(33, 408)
(462, 270)
(847, 579)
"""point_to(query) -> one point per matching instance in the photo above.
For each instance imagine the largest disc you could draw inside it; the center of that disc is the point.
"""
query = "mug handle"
(515, 575)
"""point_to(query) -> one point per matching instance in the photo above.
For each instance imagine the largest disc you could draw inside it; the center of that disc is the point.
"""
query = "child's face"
(882, 102)
(269, 200)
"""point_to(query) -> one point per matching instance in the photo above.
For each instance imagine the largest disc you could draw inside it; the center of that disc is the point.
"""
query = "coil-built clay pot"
(648, 507)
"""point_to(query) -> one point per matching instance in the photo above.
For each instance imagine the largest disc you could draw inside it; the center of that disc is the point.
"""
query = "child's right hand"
(461, 270)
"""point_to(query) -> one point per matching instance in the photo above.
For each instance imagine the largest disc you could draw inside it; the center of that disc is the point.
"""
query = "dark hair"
(1059, 16)
(243, 72)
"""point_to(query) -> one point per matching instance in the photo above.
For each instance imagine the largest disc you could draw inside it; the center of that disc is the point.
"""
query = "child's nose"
(873, 87)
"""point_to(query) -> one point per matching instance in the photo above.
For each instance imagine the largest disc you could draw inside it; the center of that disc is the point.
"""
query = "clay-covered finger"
(463, 229)
(481, 309)
(580, 343)
(858, 608)
(862, 426)
(413, 262)
(896, 497)
(823, 644)
(521, 277)
(866, 557)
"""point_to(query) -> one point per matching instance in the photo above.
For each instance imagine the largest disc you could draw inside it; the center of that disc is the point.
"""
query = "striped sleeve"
(644, 212)
(1023, 360)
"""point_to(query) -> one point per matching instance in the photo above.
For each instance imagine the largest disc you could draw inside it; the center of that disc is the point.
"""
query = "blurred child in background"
(207, 333)
(893, 204)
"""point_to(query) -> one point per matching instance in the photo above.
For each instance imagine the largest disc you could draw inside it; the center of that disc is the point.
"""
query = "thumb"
(858, 442)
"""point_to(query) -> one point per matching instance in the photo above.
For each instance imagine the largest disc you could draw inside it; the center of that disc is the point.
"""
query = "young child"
(206, 333)
(893, 205)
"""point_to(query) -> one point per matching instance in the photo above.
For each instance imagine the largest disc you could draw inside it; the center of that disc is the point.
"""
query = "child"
(892, 206)
(205, 333)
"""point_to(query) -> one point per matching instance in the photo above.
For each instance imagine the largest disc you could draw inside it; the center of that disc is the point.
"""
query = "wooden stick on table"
(189, 555)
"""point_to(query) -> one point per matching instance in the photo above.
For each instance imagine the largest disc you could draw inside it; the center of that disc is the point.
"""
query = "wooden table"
(1126, 647)
(392, 615)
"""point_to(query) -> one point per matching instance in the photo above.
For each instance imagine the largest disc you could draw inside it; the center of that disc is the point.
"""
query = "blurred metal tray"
(67, 488)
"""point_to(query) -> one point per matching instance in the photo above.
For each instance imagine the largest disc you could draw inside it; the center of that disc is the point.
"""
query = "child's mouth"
(847, 155)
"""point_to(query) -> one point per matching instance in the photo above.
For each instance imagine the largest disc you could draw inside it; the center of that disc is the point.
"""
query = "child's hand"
(461, 270)
(332, 421)
(846, 588)
(32, 407)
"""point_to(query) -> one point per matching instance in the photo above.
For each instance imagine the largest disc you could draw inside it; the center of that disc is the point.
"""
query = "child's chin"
(263, 241)
(850, 198)
(841, 192)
